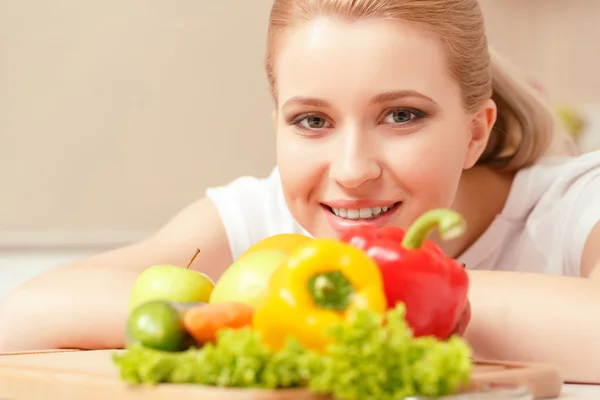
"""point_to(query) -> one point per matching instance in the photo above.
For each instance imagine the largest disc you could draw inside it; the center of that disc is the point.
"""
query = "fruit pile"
(378, 313)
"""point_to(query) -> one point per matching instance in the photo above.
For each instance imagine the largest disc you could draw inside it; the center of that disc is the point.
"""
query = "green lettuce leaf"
(371, 360)
(238, 359)
(367, 360)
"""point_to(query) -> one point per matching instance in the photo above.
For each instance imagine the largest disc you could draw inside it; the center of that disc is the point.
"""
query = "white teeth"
(362, 213)
(353, 214)
(365, 213)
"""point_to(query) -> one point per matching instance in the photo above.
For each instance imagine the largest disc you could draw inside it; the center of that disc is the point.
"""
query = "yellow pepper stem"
(331, 290)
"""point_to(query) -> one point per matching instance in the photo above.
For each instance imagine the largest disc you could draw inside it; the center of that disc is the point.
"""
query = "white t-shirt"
(550, 211)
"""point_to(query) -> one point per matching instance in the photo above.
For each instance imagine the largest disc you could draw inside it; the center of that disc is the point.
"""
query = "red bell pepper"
(416, 272)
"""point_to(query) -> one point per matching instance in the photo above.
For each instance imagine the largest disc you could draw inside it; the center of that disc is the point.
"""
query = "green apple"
(171, 283)
(247, 279)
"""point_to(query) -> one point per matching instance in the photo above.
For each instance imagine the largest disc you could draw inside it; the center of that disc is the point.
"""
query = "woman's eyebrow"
(400, 94)
(307, 101)
(378, 99)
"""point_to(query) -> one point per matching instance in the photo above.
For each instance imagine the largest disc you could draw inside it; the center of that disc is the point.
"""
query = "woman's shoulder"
(550, 211)
(252, 208)
(551, 179)
(556, 201)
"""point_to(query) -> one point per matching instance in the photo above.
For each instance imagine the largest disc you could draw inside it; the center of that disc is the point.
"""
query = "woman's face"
(370, 124)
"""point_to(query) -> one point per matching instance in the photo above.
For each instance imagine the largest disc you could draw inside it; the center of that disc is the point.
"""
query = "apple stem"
(193, 258)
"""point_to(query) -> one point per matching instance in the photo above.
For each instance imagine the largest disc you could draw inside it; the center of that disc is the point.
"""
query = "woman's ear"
(481, 126)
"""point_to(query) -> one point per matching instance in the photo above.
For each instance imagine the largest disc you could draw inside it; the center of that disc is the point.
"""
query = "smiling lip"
(353, 204)
(341, 225)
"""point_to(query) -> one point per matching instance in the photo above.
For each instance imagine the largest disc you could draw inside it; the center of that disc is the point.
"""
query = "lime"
(158, 325)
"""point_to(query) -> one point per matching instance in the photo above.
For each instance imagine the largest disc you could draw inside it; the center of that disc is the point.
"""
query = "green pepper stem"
(450, 225)
(331, 290)
(323, 286)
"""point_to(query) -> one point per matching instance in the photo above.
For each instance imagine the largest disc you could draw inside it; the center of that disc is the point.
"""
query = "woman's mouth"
(362, 213)
(341, 219)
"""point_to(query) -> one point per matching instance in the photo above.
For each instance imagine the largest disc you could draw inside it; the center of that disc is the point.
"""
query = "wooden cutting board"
(91, 375)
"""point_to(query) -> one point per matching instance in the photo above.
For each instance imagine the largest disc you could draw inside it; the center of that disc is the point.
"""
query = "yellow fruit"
(572, 119)
(284, 242)
(247, 279)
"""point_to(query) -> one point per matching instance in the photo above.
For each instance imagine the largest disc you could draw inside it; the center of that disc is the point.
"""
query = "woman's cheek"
(429, 172)
(299, 165)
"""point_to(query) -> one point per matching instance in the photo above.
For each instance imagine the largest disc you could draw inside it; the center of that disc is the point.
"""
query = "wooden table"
(91, 375)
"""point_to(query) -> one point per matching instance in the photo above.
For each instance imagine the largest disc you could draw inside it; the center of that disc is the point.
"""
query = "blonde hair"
(525, 127)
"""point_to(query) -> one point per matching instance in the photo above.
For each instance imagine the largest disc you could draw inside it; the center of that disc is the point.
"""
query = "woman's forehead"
(333, 58)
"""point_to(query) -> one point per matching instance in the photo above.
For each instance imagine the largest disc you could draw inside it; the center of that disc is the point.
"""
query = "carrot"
(204, 321)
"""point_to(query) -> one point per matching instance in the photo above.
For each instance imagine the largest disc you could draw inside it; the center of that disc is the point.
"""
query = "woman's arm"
(84, 304)
(543, 318)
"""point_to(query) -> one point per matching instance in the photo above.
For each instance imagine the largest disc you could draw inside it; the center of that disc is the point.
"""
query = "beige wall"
(115, 114)
(553, 41)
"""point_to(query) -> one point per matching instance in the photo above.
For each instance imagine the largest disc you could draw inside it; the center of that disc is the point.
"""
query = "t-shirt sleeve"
(251, 209)
(583, 217)
(557, 203)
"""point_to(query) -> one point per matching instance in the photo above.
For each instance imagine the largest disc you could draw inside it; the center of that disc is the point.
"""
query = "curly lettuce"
(370, 357)
(238, 359)
(370, 360)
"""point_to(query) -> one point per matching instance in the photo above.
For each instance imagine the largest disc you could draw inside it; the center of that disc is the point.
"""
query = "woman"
(383, 109)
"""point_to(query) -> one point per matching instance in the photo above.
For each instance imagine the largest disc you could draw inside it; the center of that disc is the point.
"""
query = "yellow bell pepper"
(315, 288)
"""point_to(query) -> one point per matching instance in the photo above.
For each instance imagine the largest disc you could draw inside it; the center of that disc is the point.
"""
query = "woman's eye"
(401, 116)
(313, 122)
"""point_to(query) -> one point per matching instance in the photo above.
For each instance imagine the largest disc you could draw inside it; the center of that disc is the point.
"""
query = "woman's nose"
(353, 164)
